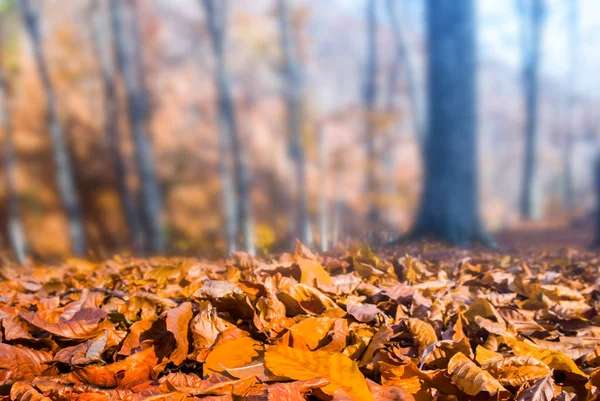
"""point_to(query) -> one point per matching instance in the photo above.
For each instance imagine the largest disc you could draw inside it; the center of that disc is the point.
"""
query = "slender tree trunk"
(111, 128)
(293, 96)
(323, 204)
(64, 172)
(130, 67)
(369, 104)
(449, 205)
(572, 129)
(217, 18)
(532, 26)
(15, 232)
(412, 77)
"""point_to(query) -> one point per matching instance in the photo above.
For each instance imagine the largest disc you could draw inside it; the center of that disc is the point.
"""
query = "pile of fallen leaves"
(300, 327)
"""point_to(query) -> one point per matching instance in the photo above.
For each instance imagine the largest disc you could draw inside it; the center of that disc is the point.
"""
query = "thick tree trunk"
(414, 82)
(293, 96)
(369, 105)
(532, 26)
(111, 128)
(64, 172)
(449, 205)
(15, 232)
(130, 67)
(217, 16)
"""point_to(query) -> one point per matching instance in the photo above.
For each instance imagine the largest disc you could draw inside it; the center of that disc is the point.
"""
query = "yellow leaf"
(554, 359)
(470, 378)
(516, 370)
(311, 270)
(484, 356)
(308, 333)
(232, 354)
(423, 333)
(340, 370)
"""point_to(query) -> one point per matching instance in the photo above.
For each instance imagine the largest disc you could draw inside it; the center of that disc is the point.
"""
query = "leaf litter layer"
(449, 325)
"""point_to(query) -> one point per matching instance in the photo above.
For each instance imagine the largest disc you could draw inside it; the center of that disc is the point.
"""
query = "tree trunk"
(217, 16)
(111, 128)
(15, 232)
(369, 104)
(449, 205)
(411, 74)
(532, 25)
(597, 179)
(64, 172)
(293, 97)
(323, 204)
(130, 67)
(569, 197)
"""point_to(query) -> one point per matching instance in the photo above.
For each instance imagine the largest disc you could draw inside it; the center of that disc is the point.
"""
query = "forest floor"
(420, 321)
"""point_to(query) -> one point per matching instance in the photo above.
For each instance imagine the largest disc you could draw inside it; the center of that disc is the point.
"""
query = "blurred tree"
(111, 103)
(532, 13)
(369, 98)
(64, 173)
(405, 58)
(294, 89)
(131, 68)
(322, 193)
(15, 232)
(573, 45)
(217, 20)
(449, 207)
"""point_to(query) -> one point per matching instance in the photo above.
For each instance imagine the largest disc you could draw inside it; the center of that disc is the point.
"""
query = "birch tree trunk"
(323, 204)
(217, 19)
(573, 21)
(369, 105)
(64, 172)
(414, 81)
(532, 26)
(294, 88)
(111, 125)
(130, 67)
(15, 232)
(449, 205)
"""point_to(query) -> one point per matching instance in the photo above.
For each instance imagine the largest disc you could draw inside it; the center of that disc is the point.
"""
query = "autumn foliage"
(301, 326)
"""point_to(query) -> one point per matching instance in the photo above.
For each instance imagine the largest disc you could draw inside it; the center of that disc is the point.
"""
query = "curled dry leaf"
(470, 378)
(517, 370)
(21, 363)
(178, 321)
(541, 390)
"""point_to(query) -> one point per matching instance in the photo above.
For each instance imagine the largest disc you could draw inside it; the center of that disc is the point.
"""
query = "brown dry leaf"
(85, 323)
(517, 370)
(21, 363)
(542, 390)
(423, 333)
(301, 299)
(178, 320)
(553, 359)
(338, 369)
(364, 313)
(133, 370)
(294, 391)
(470, 378)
